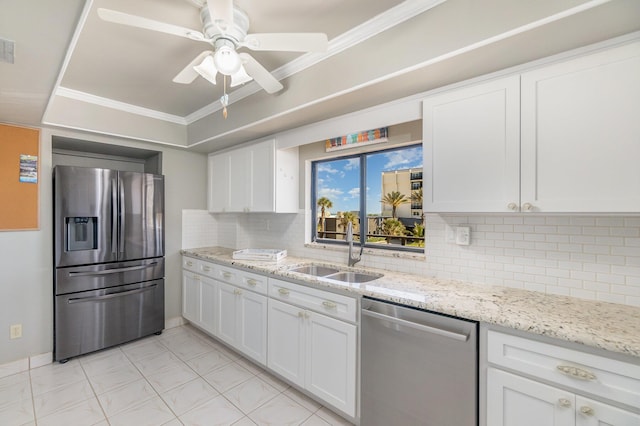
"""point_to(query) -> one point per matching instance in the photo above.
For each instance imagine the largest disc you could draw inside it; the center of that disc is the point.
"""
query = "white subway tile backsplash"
(592, 257)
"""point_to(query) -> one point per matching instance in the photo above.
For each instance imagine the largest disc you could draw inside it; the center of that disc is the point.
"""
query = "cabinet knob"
(586, 410)
(527, 207)
(283, 291)
(301, 314)
(252, 282)
(512, 206)
(564, 402)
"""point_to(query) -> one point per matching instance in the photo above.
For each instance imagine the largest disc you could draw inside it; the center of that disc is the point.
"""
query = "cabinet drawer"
(207, 268)
(607, 378)
(251, 281)
(227, 275)
(335, 305)
(190, 264)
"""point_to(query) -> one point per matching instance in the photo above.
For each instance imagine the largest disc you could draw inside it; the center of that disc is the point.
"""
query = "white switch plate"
(463, 235)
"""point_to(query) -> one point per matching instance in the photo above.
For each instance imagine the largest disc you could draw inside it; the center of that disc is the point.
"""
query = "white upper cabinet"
(472, 148)
(561, 138)
(581, 134)
(255, 178)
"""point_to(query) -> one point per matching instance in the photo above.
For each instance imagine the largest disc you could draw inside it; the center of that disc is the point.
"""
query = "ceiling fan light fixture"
(226, 60)
(240, 77)
(207, 69)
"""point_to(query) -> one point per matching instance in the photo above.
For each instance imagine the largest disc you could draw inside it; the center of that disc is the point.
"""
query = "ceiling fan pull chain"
(224, 100)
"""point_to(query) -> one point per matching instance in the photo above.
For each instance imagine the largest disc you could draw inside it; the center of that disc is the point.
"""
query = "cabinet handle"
(586, 410)
(328, 304)
(283, 291)
(227, 275)
(564, 402)
(189, 263)
(576, 373)
(512, 206)
(237, 291)
(252, 282)
(196, 278)
(527, 207)
(206, 268)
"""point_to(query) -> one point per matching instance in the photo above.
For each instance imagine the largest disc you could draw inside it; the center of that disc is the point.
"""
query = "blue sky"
(338, 180)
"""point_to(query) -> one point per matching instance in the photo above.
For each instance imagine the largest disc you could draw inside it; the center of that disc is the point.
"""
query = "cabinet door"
(285, 341)
(515, 401)
(208, 288)
(226, 314)
(252, 326)
(218, 184)
(472, 148)
(331, 361)
(594, 413)
(581, 134)
(263, 177)
(191, 296)
(239, 178)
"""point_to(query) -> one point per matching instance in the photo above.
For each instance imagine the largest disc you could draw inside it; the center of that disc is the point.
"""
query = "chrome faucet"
(352, 260)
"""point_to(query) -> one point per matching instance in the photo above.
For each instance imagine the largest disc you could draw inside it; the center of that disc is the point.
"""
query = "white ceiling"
(76, 71)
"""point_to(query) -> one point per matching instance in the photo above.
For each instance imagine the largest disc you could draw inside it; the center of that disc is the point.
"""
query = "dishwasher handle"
(416, 326)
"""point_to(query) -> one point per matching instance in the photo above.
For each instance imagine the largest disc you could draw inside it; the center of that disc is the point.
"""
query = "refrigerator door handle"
(114, 218)
(122, 216)
(112, 271)
(112, 295)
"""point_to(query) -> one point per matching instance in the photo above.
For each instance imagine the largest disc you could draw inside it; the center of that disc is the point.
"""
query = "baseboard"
(174, 322)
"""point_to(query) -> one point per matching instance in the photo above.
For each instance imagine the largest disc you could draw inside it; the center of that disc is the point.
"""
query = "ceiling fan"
(225, 28)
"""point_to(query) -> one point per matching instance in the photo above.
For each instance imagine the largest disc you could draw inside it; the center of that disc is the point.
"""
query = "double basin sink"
(335, 274)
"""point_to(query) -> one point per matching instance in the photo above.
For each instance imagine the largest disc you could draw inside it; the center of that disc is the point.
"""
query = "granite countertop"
(609, 326)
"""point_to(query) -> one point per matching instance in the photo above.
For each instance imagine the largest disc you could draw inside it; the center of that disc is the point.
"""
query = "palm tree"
(324, 203)
(416, 196)
(394, 199)
(346, 217)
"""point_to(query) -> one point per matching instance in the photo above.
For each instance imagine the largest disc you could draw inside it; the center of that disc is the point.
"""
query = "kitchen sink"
(315, 270)
(335, 274)
(353, 277)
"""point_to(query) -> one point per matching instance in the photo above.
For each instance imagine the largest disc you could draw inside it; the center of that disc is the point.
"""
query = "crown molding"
(122, 106)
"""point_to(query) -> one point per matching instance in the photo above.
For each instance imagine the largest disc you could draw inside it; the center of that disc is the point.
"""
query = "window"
(380, 193)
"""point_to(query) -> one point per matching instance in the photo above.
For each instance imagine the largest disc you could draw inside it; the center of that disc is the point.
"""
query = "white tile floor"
(181, 377)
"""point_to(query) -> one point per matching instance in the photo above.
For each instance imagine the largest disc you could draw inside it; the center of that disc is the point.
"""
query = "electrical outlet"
(15, 331)
(463, 235)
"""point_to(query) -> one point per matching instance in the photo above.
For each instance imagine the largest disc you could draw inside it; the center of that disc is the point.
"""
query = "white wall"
(26, 289)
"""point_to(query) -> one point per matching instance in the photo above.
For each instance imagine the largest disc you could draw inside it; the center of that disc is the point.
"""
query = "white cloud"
(404, 159)
(352, 163)
(354, 193)
(330, 193)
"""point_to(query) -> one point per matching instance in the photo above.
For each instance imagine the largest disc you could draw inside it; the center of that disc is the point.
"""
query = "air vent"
(6, 50)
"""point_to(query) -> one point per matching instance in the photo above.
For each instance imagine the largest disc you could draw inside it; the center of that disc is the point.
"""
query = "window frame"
(362, 216)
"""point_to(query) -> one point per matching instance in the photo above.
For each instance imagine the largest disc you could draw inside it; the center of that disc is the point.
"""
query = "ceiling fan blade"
(260, 74)
(188, 74)
(221, 12)
(148, 24)
(287, 42)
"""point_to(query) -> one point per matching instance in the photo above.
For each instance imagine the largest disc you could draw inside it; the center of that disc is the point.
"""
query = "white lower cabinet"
(514, 400)
(198, 300)
(517, 401)
(315, 352)
(241, 320)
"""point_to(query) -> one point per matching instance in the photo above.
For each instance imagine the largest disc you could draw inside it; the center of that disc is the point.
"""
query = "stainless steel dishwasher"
(418, 367)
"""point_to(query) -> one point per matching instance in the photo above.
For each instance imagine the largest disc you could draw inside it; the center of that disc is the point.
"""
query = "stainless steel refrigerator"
(108, 258)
